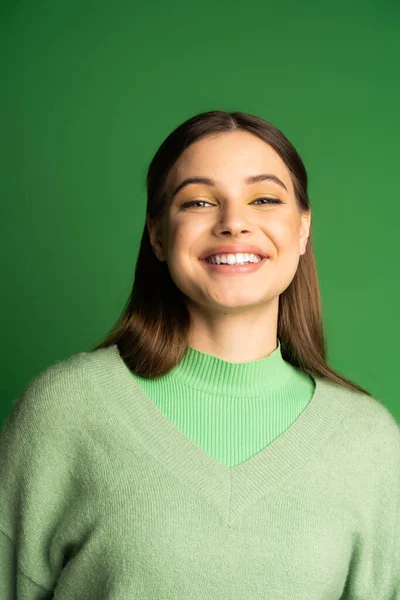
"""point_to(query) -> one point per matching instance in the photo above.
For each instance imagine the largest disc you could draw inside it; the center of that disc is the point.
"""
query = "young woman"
(205, 449)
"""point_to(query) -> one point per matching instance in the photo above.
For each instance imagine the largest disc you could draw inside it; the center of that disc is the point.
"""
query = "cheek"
(180, 260)
(285, 237)
(182, 243)
(285, 234)
(178, 235)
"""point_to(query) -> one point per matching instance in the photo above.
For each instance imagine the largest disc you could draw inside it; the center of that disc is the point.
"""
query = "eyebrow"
(248, 180)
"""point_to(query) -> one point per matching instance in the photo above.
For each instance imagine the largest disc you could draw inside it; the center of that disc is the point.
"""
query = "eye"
(268, 201)
(192, 202)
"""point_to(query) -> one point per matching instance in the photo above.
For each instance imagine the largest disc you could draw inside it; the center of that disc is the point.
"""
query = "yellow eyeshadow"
(204, 197)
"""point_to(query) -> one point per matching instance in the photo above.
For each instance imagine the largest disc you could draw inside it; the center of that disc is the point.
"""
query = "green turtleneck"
(231, 410)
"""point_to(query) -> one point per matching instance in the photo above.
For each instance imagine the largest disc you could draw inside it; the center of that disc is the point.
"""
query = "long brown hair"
(152, 331)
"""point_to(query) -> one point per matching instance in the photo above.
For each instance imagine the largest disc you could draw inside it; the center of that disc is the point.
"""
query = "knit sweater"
(109, 493)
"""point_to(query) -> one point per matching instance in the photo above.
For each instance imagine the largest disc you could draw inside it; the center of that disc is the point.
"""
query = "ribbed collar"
(210, 374)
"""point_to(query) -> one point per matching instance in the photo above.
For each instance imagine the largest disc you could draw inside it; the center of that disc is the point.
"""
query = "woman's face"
(228, 213)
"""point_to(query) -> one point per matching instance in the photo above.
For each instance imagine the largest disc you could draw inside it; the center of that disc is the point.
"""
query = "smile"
(234, 269)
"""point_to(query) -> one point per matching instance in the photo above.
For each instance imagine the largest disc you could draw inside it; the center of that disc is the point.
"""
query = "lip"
(234, 270)
(242, 248)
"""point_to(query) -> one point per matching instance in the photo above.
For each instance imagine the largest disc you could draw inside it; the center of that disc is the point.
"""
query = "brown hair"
(151, 333)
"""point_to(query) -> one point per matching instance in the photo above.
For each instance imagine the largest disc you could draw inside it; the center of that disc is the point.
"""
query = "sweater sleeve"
(36, 483)
(13, 582)
(395, 584)
(390, 545)
(374, 572)
(394, 556)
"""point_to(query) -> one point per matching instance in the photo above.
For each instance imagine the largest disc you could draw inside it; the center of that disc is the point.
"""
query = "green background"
(91, 89)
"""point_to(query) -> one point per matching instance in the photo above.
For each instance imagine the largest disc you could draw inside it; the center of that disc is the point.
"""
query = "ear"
(304, 230)
(154, 235)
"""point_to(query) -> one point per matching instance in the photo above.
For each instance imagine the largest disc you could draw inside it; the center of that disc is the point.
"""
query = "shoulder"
(369, 432)
(368, 411)
(372, 413)
(60, 393)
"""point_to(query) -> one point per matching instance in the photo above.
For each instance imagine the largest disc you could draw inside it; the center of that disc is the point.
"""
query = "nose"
(233, 219)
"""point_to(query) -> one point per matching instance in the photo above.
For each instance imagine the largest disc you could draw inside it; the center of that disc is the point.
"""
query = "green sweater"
(218, 481)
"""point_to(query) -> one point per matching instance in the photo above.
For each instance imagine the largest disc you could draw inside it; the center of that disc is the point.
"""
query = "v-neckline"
(229, 490)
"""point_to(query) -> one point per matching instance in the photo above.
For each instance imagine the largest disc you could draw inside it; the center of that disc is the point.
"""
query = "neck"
(235, 336)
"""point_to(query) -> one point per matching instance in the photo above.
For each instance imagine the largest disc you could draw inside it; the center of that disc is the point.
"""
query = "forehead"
(229, 158)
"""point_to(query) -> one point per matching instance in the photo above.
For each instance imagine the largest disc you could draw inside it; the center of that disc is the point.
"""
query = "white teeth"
(232, 259)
